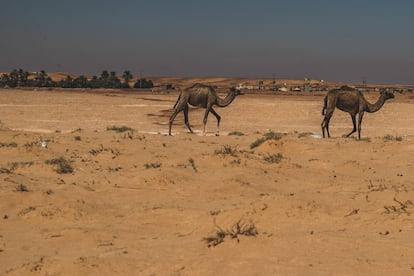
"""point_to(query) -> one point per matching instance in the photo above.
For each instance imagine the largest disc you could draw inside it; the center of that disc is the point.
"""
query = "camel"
(205, 96)
(352, 101)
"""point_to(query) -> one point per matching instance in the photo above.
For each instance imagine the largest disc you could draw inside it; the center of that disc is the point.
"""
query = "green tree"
(143, 83)
(80, 82)
(67, 82)
(95, 82)
(114, 81)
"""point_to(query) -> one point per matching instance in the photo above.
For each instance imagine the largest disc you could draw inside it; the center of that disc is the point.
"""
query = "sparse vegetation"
(30, 145)
(215, 212)
(119, 128)
(192, 163)
(271, 135)
(401, 207)
(63, 165)
(77, 130)
(4, 170)
(15, 165)
(273, 158)
(239, 228)
(8, 145)
(236, 133)
(101, 149)
(77, 138)
(377, 188)
(152, 165)
(22, 188)
(227, 150)
(389, 137)
(363, 139)
(304, 134)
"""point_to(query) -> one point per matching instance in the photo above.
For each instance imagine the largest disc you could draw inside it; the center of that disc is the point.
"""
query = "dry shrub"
(227, 150)
(152, 165)
(273, 158)
(239, 228)
(271, 135)
(63, 165)
(236, 133)
(119, 128)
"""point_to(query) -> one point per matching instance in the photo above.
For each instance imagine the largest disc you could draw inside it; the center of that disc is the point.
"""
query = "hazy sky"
(334, 40)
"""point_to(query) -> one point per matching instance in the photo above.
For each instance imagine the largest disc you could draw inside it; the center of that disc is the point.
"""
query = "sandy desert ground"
(267, 197)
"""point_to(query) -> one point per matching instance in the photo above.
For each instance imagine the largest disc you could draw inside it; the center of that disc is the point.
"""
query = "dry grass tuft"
(119, 128)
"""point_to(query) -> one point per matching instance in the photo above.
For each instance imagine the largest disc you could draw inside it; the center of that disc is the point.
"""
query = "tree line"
(22, 78)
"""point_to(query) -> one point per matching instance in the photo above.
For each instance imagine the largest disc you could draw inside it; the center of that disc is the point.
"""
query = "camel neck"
(227, 100)
(376, 106)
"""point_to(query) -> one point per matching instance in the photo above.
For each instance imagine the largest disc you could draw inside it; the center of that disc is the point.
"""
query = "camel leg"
(361, 115)
(354, 123)
(205, 119)
(218, 121)
(187, 123)
(325, 124)
(176, 111)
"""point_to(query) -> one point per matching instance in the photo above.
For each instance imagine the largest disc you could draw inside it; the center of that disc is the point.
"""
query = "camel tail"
(325, 100)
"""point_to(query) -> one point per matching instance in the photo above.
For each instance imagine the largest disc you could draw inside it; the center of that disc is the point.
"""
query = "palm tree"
(127, 76)
(114, 81)
(104, 75)
(112, 75)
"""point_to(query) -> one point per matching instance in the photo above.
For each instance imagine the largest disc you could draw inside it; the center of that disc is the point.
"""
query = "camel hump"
(200, 86)
(346, 87)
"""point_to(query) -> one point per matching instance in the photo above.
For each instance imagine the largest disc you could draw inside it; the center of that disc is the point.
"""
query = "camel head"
(236, 91)
(388, 95)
